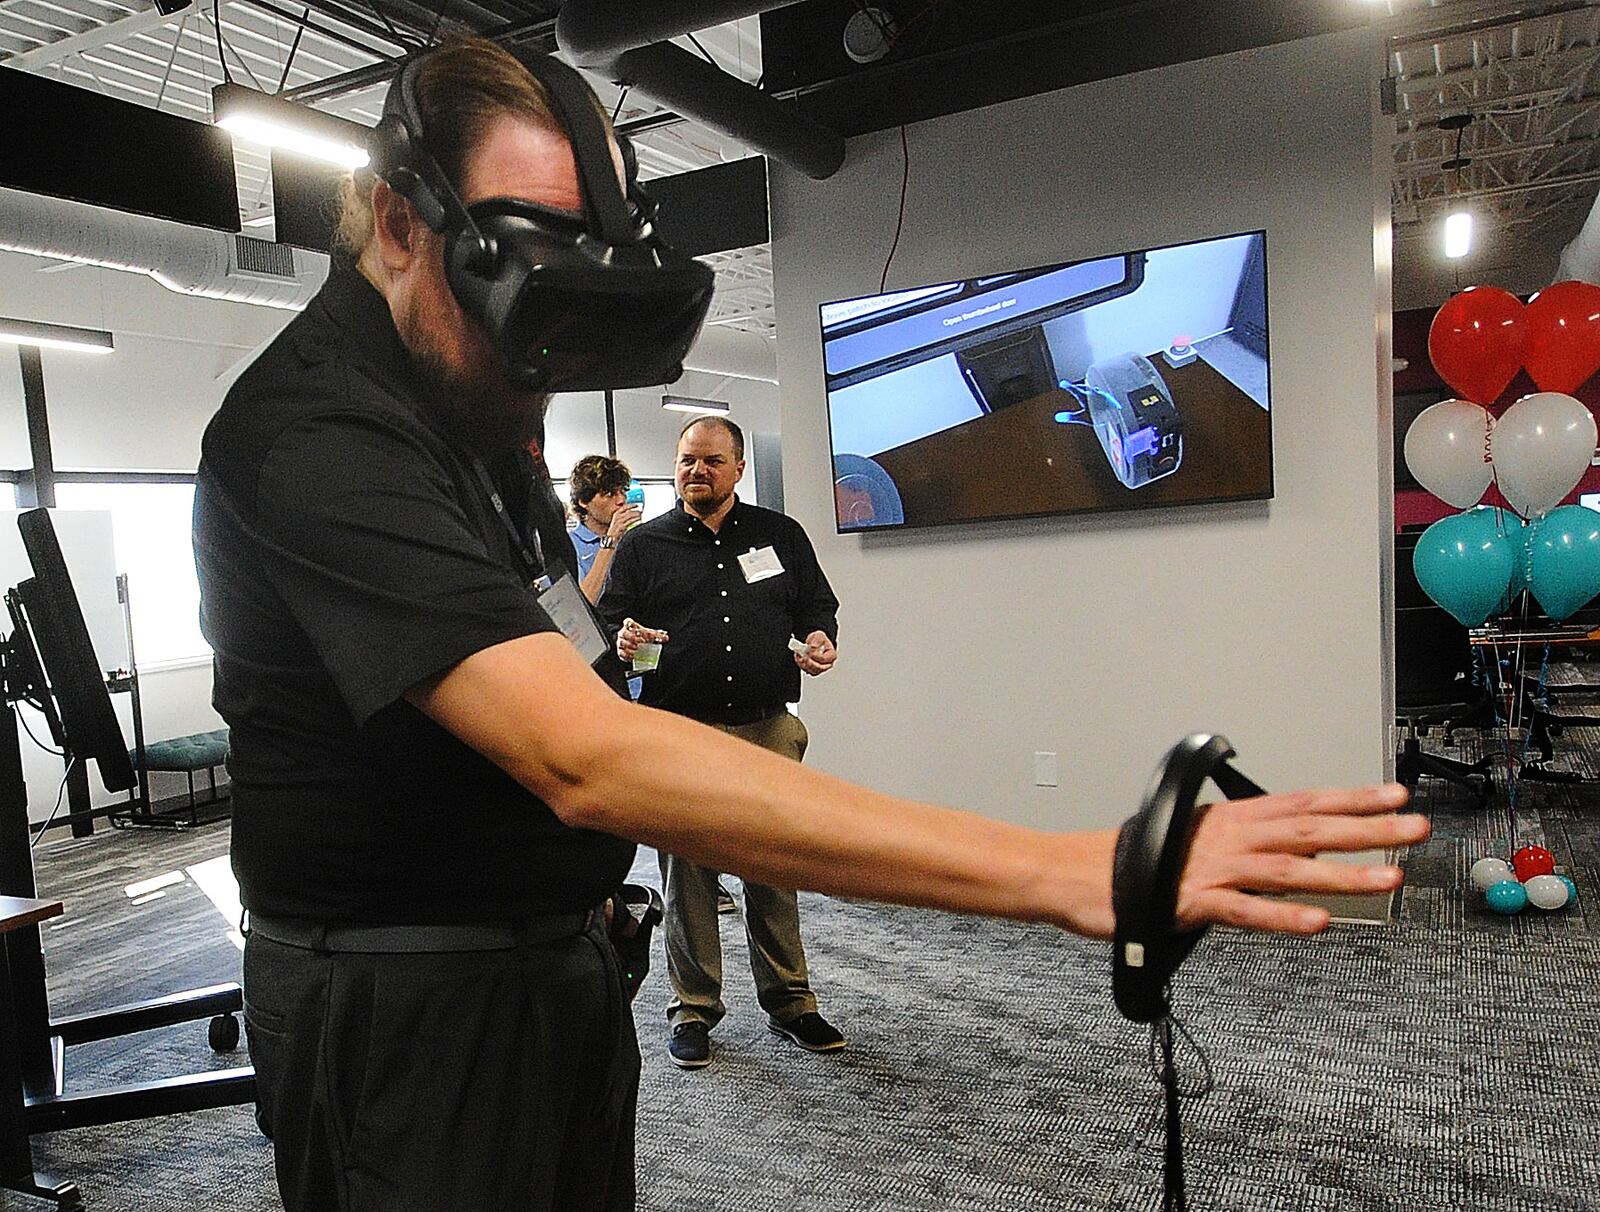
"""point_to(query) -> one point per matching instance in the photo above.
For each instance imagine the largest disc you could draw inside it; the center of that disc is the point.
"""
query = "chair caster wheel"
(223, 1033)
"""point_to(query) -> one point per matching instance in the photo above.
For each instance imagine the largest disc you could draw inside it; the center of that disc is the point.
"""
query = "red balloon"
(1531, 861)
(1476, 342)
(1563, 324)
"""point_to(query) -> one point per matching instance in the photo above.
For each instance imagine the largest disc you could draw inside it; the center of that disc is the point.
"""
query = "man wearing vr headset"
(428, 804)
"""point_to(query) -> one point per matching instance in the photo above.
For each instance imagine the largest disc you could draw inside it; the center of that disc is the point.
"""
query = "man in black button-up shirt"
(726, 586)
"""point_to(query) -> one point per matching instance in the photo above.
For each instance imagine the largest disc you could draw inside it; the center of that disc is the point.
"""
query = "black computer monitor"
(25, 678)
(50, 612)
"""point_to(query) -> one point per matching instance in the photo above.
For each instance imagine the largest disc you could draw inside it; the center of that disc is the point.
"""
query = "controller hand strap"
(1152, 851)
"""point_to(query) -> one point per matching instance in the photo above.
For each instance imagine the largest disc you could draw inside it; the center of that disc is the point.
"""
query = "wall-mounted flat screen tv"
(1121, 382)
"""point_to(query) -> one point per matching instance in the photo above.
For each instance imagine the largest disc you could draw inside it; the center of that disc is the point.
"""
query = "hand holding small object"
(815, 654)
(632, 634)
(623, 520)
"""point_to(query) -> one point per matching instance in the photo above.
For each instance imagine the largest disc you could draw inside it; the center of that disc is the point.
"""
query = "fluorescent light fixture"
(688, 404)
(55, 336)
(260, 118)
(1458, 234)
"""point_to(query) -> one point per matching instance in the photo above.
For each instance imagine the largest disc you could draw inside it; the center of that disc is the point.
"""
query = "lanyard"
(532, 561)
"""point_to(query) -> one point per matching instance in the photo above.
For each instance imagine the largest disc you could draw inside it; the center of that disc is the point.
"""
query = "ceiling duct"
(1580, 259)
(628, 44)
(189, 260)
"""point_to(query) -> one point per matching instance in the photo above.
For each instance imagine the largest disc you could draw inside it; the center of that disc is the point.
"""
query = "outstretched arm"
(691, 790)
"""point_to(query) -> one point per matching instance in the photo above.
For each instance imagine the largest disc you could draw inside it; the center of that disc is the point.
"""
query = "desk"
(16, 1155)
(1020, 461)
(1524, 694)
(1492, 635)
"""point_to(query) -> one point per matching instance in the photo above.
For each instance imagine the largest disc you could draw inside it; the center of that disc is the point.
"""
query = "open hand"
(1268, 845)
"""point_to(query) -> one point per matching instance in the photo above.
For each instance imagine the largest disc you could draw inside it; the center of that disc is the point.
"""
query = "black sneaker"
(689, 1045)
(811, 1031)
(725, 901)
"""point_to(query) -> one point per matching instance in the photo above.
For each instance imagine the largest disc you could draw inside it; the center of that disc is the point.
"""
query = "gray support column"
(44, 468)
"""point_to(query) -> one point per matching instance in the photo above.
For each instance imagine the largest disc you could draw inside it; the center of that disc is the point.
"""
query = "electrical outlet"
(1044, 770)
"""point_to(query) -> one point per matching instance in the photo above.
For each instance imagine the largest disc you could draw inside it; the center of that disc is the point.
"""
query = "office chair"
(1435, 684)
(1549, 707)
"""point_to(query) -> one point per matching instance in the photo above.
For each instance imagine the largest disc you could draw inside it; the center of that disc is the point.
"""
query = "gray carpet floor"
(1447, 1061)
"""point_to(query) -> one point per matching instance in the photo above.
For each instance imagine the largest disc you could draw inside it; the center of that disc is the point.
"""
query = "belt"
(312, 935)
(736, 719)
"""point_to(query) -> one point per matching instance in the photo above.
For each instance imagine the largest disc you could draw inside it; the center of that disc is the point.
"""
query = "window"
(659, 497)
(150, 525)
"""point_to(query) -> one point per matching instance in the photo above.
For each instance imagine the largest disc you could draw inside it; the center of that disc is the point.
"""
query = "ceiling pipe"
(1580, 260)
(188, 260)
(603, 29)
(629, 46)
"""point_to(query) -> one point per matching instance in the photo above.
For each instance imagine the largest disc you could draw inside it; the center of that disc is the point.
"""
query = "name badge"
(759, 563)
(569, 610)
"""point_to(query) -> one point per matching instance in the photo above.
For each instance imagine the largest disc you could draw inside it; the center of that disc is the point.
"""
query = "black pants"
(487, 1080)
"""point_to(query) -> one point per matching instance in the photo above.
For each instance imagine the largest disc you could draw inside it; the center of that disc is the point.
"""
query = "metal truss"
(1528, 75)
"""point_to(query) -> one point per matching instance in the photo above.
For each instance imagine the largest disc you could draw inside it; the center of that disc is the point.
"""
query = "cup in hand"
(647, 656)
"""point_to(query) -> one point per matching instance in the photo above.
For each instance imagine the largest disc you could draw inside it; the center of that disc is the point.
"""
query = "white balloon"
(1447, 449)
(1487, 872)
(1547, 891)
(1541, 448)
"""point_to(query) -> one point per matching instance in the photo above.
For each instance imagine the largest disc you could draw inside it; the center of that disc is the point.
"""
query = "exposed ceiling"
(1528, 167)
(1528, 72)
(128, 49)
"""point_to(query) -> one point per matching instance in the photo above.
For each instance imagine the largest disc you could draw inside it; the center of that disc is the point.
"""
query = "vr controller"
(1147, 947)
(1152, 850)
(635, 911)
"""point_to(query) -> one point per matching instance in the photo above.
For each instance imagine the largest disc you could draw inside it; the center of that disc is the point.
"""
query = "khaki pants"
(771, 919)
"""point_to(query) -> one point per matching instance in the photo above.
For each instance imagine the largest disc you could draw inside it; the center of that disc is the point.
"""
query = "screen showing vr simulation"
(1122, 382)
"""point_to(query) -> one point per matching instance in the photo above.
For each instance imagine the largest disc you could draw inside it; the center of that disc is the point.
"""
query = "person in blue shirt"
(599, 488)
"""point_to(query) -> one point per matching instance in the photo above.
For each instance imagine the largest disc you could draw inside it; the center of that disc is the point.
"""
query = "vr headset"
(572, 302)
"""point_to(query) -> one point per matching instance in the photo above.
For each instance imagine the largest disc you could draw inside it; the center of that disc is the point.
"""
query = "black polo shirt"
(347, 550)
(728, 659)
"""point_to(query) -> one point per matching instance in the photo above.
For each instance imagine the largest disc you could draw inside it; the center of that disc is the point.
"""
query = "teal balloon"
(1520, 534)
(1564, 560)
(1500, 521)
(1464, 563)
(1572, 889)
(1493, 517)
(1507, 897)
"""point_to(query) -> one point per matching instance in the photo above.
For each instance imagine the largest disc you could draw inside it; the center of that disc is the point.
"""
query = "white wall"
(963, 650)
(144, 406)
(647, 434)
